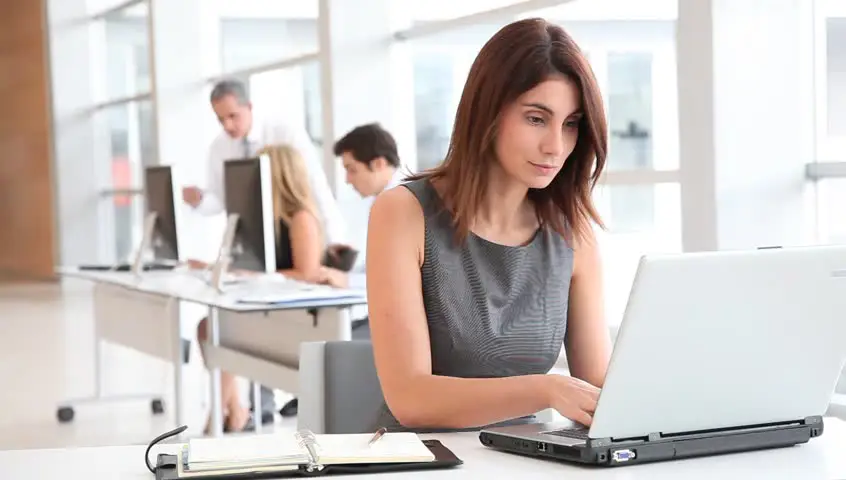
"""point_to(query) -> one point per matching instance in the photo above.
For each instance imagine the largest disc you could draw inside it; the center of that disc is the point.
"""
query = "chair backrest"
(339, 390)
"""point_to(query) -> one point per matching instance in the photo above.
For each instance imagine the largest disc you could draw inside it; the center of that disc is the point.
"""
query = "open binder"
(299, 454)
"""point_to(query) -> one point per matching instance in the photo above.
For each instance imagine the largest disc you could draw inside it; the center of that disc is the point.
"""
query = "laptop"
(718, 352)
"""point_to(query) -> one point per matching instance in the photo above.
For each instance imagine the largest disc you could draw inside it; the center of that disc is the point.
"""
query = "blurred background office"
(727, 122)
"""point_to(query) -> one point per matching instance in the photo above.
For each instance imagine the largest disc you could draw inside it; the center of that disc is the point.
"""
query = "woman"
(300, 248)
(490, 257)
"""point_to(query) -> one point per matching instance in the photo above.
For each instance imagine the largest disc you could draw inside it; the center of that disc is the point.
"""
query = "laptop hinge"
(739, 429)
(815, 422)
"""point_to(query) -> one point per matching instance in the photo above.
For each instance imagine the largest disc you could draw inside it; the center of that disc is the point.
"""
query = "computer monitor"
(159, 193)
(249, 196)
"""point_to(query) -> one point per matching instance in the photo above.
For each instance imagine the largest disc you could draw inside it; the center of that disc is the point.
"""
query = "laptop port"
(623, 455)
(541, 447)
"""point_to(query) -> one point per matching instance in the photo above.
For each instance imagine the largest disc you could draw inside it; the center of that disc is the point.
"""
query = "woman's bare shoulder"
(396, 220)
(396, 205)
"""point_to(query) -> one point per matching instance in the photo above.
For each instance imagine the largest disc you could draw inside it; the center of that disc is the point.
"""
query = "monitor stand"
(224, 254)
(146, 242)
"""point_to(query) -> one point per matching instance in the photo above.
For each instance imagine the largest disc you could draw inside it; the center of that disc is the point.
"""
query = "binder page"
(243, 451)
(399, 447)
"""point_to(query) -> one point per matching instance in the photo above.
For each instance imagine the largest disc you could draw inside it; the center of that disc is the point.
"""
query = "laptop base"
(606, 453)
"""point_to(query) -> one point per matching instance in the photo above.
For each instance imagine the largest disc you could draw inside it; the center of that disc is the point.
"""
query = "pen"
(376, 436)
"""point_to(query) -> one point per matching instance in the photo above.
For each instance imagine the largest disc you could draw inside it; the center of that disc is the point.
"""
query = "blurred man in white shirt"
(242, 138)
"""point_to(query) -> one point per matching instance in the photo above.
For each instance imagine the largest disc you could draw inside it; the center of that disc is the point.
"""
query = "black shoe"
(250, 426)
(186, 351)
(266, 416)
(289, 409)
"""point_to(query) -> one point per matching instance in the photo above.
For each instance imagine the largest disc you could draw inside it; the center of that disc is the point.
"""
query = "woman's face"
(538, 131)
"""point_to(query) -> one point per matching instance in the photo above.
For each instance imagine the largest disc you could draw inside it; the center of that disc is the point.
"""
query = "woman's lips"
(544, 169)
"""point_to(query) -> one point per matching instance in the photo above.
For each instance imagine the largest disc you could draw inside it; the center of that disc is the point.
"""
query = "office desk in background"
(255, 341)
(822, 458)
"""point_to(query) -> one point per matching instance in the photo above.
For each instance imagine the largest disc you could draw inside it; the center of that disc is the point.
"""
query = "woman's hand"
(333, 277)
(195, 264)
(571, 397)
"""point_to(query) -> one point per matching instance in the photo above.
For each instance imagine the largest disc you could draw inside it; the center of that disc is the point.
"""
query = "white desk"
(143, 314)
(821, 458)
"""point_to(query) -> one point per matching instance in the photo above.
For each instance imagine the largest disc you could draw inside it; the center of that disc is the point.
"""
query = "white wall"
(764, 119)
(836, 81)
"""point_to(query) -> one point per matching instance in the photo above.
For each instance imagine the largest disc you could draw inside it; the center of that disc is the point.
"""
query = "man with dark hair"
(371, 161)
(369, 155)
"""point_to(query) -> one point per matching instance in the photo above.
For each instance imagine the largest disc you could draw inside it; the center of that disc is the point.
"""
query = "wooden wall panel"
(26, 187)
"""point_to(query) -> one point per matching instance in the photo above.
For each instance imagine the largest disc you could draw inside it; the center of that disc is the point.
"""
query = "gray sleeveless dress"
(493, 310)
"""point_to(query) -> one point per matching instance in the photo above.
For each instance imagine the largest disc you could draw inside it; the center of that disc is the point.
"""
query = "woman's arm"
(588, 344)
(400, 337)
(306, 247)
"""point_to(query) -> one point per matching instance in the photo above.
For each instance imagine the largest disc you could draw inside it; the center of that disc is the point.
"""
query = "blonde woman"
(300, 249)
(300, 241)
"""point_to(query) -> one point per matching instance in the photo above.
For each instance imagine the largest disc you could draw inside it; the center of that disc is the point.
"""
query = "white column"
(81, 151)
(745, 120)
(185, 51)
(364, 79)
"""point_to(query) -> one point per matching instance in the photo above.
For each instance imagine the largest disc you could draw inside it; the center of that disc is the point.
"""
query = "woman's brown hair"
(516, 59)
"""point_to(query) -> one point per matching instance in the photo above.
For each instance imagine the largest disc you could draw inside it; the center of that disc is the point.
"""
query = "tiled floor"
(47, 356)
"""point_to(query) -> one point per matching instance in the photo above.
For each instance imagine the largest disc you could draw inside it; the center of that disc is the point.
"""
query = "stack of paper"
(282, 295)
(234, 453)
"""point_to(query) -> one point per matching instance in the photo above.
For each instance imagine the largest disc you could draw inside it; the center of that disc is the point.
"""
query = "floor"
(47, 356)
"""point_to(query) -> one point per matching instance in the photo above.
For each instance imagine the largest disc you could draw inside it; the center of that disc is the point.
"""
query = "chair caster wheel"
(65, 414)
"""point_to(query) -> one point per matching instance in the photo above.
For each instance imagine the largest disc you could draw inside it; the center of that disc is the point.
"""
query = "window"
(434, 106)
(94, 7)
(834, 127)
(131, 148)
(831, 198)
(440, 67)
(434, 10)
(127, 52)
(291, 95)
(251, 42)
(631, 233)
(830, 73)
(122, 119)
(630, 111)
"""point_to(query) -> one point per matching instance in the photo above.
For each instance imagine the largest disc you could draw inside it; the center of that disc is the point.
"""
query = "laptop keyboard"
(580, 433)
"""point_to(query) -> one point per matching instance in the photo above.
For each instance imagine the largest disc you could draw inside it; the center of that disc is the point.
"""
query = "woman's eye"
(535, 120)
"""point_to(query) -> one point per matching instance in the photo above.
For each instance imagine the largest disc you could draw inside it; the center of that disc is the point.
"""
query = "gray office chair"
(339, 390)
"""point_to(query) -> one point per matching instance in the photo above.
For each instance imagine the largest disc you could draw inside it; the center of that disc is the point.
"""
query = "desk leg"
(216, 404)
(340, 322)
(100, 383)
(257, 411)
(179, 355)
(115, 307)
